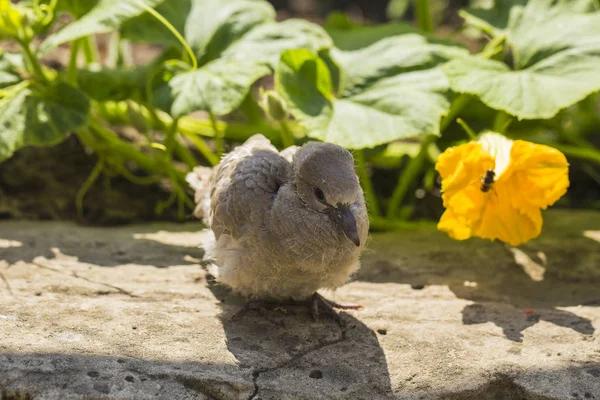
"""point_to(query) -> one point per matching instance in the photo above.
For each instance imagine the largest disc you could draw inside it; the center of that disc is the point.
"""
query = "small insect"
(487, 180)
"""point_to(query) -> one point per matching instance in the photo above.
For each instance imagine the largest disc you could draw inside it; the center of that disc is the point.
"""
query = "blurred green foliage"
(391, 92)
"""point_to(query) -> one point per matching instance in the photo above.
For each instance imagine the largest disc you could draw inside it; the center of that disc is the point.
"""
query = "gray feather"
(272, 238)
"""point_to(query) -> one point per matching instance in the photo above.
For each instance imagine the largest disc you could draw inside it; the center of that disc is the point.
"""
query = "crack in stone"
(74, 275)
(120, 290)
(7, 284)
(256, 373)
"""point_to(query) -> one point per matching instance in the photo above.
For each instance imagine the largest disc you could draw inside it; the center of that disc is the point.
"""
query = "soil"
(42, 183)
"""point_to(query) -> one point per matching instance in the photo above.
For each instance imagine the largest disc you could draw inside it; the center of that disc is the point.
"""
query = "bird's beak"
(348, 223)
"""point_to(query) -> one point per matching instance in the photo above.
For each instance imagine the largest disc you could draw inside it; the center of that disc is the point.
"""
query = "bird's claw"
(263, 311)
(319, 302)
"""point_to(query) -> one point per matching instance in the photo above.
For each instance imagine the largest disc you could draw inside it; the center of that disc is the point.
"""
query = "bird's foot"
(262, 309)
(320, 303)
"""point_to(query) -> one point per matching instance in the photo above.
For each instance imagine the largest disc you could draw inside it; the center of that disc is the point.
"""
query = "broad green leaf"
(392, 56)
(209, 26)
(392, 155)
(494, 20)
(77, 8)
(31, 118)
(358, 37)
(106, 16)
(349, 36)
(392, 89)
(339, 20)
(146, 28)
(265, 43)
(113, 84)
(218, 87)
(8, 69)
(553, 67)
(234, 59)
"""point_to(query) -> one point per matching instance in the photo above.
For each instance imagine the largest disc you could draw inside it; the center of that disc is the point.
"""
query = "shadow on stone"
(108, 247)
(304, 358)
(514, 321)
(490, 274)
(61, 376)
(525, 385)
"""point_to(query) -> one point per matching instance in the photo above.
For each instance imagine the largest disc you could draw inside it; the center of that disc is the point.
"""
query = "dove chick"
(285, 224)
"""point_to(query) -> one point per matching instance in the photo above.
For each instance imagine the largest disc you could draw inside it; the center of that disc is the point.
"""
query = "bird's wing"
(244, 184)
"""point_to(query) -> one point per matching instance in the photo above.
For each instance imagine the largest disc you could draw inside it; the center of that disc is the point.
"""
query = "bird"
(284, 224)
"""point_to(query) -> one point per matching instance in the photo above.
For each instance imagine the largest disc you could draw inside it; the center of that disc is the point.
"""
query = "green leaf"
(338, 20)
(209, 26)
(392, 89)
(77, 8)
(553, 68)
(31, 118)
(233, 58)
(349, 36)
(265, 43)
(358, 37)
(392, 56)
(9, 63)
(493, 20)
(393, 155)
(104, 84)
(146, 28)
(219, 87)
(105, 17)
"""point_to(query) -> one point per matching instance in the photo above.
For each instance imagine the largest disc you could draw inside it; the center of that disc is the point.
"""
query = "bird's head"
(327, 183)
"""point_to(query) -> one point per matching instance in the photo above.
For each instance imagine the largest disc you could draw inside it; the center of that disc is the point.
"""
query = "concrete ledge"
(129, 313)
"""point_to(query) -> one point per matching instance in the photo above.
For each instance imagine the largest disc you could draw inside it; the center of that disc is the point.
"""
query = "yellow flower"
(527, 177)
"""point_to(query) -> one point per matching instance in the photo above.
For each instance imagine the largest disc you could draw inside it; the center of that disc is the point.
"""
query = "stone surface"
(131, 313)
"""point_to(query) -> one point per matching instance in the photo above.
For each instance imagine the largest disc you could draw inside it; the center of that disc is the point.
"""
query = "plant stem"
(408, 176)
(366, 183)
(90, 51)
(456, 107)
(88, 184)
(72, 67)
(218, 134)
(423, 15)
(202, 147)
(184, 154)
(126, 150)
(501, 121)
(494, 47)
(173, 31)
(466, 128)
(251, 110)
(116, 113)
(33, 62)
(287, 138)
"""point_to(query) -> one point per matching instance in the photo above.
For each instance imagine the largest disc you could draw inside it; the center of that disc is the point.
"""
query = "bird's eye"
(319, 194)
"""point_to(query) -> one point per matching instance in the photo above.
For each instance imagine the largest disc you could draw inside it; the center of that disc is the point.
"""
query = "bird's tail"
(200, 180)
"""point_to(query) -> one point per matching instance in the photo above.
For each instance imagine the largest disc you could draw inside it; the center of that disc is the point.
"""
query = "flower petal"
(462, 166)
(500, 220)
(499, 147)
(538, 175)
(529, 177)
